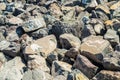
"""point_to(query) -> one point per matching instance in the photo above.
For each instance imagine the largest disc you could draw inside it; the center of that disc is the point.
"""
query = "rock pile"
(59, 40)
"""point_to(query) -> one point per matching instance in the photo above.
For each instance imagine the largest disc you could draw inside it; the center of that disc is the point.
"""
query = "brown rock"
(94, 48)
(115, 6)
(107, 75)
(37, 62)
(59, 68)
(45, 45)
(85, 66)
(72, 53)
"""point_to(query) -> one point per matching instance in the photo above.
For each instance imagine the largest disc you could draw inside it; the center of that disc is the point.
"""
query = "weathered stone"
(77, 75)
(60, 68)
(45, 45)
(39, 33)
(71, 27)
(107, 75)
(10, 48)
(2, 59)
(87, 31)
(92, 48)
(55, 10)
(34, 24)
(111, 35)
(15, 20)
(37, 62)
(98, 28)
(111, 61)
(69, 41)
(12, 36)
(115, 6)
(85, 66)
(72, 52)
(36, 75)
(60, 77)
(12, 70)
(2, 6)
(2, 36)
(3, 20)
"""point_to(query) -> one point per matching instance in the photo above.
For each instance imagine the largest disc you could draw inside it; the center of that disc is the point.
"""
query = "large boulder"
(85, 66)
(12, 70)
(92, 48)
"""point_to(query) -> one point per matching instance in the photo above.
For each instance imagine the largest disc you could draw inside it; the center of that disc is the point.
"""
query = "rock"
(98, 28)
(112, 36)
(92, 48)
(72, 53)
(15, 20)
(12, 36)
(55, 10)
(77, 75)
(39, 33)
(12, 70)
(71, 2)
(69, 41)
(3, 20)
(52, 57)
(115, 5)
(107, 75)
(2, 59)
(10, 48)
(85, 66)
(3, 6)
(60, 77)
(60, 68)
(116, 13)
(36, 75)
(45, 45)
(87, 31)
(71, 27)
(34, 24)
(2, 36)
(111, 61)
(37, 62)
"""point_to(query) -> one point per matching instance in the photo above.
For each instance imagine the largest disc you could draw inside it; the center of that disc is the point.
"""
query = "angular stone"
(55, 10)
(37, 62)
(39, 33)
(111, 61)
(34, 24)
(10, 48)
(12, 36)
(85, 66)
(60, 68)
(87, 31)
(12, 70)
(60, 77)
(69, 41)
(107, 75)
(3, 6)
(15, 20)
(115, 6)
(92, 48)
(98, 28)
(45, 45)
(72, 53)
(36, 75)
(2, 36)
(111, 35)
(77, 75)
